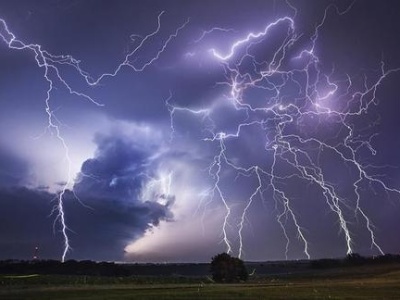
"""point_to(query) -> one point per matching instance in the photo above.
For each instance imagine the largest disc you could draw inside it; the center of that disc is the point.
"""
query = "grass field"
(365, 282)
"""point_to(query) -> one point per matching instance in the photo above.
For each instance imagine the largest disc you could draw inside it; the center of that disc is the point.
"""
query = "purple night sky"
(170, 131)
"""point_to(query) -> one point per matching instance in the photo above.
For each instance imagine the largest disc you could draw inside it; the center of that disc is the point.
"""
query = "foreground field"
(366, 282)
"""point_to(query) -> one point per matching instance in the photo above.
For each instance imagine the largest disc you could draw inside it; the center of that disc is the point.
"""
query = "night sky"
(170, 131)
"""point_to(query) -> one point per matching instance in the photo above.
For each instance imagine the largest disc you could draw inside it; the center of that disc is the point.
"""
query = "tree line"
(222, 268)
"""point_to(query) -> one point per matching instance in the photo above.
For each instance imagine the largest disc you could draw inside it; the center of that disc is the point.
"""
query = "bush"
(228, 269)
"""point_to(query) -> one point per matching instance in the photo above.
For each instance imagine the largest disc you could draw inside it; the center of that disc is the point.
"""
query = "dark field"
(283, 281)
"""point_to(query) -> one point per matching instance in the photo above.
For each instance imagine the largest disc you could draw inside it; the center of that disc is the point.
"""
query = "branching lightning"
(53, 74)
(281, 92)
(279, 119)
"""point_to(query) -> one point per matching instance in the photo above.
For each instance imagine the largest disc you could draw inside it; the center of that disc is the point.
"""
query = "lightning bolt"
(52, 73)
(280, 117)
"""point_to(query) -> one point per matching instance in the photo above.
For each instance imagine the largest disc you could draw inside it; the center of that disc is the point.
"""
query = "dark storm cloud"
(110, 185)
(107, 215)
(102, 231)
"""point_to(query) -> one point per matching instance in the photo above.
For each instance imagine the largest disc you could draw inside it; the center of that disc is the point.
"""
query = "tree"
(228, 269)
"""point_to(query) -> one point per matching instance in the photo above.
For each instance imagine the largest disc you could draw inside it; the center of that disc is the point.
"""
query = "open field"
(358, 282)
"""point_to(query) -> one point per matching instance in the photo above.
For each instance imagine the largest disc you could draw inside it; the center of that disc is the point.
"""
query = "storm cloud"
(110, 185)
(106, 203)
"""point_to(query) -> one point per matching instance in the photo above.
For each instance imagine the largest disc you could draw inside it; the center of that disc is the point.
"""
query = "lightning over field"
(174, 131)
(289, 98)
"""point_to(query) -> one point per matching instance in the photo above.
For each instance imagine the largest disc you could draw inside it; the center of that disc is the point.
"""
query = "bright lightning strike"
(53, 74)
(294, 100)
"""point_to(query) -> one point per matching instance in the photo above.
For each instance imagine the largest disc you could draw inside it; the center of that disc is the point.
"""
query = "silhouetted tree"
(228, 269)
